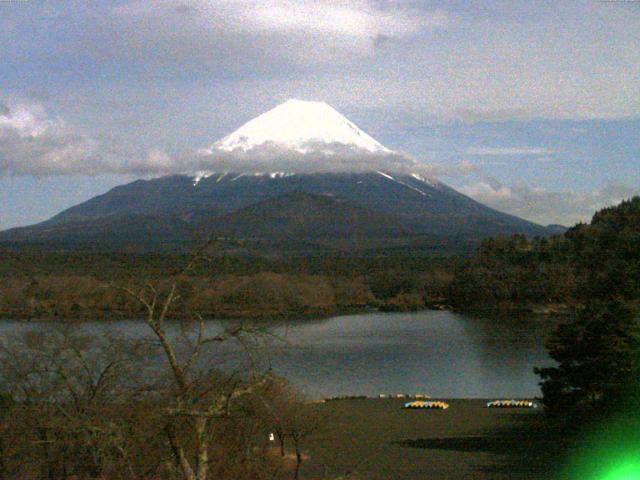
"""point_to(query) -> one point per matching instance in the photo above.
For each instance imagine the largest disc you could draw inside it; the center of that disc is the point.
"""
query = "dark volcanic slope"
(303, 215)
(118, 231)
(168, 211)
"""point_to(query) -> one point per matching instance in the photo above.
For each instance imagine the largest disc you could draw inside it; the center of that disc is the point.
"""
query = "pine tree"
(598, 356)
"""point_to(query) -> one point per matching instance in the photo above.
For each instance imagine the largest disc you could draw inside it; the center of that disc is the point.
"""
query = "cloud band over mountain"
(34, 143)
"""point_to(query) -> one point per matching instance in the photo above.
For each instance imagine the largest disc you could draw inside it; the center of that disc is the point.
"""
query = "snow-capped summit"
(301, 126)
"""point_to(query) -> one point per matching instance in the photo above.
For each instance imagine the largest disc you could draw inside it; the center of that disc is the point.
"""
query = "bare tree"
(289, 417)
(199, 398)
(62, 382)
(93, 406)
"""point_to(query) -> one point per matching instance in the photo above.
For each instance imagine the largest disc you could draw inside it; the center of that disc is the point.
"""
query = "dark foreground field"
(376, 439)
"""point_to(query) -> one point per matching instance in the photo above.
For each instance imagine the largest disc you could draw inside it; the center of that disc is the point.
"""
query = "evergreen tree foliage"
(598, 360)
(600, 260)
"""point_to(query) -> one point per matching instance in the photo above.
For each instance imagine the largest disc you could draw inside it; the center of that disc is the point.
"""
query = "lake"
(438, 353)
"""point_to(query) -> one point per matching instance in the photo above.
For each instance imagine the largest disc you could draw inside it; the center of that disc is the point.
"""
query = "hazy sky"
(530, 107)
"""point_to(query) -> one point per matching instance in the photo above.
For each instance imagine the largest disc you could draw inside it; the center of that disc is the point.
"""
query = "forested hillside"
(599, 260)
(38, 284)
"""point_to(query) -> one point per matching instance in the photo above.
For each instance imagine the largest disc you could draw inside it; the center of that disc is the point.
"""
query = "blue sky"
(530, 107)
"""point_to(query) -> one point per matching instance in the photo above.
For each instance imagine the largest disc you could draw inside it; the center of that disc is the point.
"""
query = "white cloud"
(353, 18)
(233, 32)
(33, 143)
(508, 151)
(464, 61)
(486, 193)
(475, 115)
(544, 206)
(273, 158)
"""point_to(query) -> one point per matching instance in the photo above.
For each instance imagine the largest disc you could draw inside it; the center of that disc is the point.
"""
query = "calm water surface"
(441, 354)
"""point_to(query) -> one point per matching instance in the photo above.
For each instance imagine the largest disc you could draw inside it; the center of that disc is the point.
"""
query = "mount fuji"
(301, 126)
(342, 191)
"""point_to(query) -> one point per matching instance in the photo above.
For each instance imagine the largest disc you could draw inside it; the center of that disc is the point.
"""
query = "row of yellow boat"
(434, 405)
(439, 405)
(511, 404)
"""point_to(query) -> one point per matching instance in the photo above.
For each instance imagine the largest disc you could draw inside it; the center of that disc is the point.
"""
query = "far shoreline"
(518, 311)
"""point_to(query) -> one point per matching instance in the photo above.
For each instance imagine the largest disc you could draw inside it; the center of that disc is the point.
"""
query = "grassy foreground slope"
(378, 440)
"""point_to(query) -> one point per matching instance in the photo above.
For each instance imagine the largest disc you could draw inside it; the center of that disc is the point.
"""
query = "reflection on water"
(441, 354)
(437, 353)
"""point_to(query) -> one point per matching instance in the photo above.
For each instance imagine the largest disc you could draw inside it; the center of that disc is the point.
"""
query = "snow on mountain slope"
(301, 126)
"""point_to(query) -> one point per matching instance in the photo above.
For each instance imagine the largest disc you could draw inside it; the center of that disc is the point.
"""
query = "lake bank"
(394, 305)
(524, 309)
